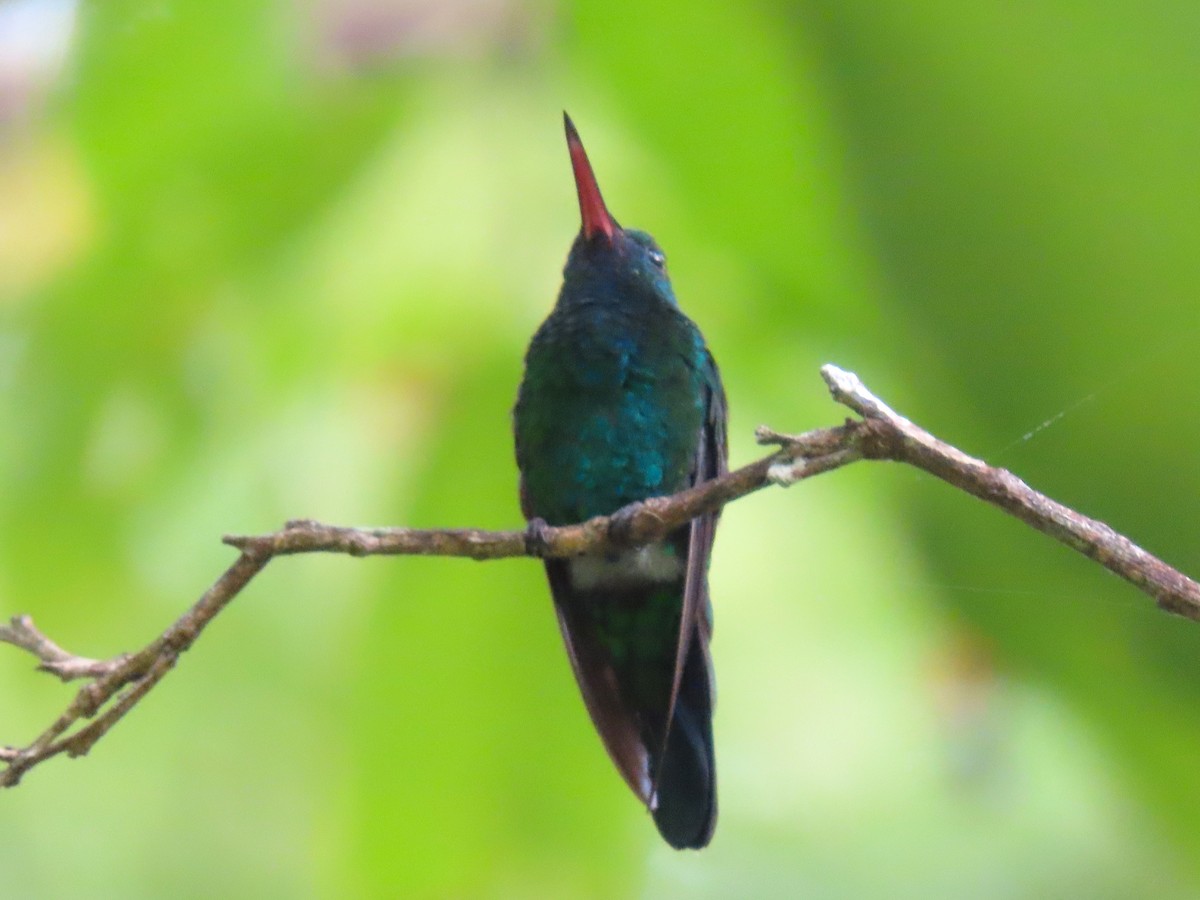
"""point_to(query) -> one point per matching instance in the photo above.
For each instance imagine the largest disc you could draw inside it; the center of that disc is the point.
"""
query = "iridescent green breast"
(610, 411)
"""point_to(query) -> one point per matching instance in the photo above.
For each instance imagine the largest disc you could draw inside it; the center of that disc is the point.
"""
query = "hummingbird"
(621, 401)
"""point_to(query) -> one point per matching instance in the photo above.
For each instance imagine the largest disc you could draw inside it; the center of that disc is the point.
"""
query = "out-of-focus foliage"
(268, 260)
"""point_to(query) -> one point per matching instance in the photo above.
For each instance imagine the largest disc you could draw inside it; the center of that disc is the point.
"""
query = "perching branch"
(116, 685)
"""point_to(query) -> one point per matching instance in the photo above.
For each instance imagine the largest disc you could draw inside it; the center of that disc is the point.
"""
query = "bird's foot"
(536, 542)
(622, 526)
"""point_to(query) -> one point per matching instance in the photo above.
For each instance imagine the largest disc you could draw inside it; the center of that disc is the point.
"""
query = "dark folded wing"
(712, 461)
(598, 684)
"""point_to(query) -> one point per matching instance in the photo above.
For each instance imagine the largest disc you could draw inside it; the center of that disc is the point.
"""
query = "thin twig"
(903, 441)
(116, 685)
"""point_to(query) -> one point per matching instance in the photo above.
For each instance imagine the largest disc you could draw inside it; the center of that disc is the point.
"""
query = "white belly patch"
(652, 563)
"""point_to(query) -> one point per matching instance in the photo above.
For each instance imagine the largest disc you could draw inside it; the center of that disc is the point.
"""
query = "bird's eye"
(657, 258)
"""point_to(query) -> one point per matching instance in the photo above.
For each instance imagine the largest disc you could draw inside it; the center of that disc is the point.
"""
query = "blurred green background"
(270, 260)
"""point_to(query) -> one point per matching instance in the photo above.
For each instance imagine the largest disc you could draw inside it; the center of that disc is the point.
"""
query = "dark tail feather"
(686, 812)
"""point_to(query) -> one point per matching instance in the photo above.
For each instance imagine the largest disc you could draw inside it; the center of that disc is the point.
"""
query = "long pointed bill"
(596, 219)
